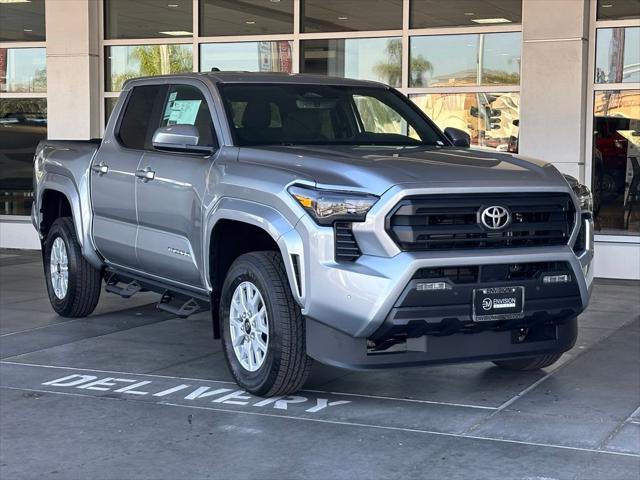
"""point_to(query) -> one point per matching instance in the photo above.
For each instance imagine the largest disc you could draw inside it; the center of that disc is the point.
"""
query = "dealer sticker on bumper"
(498, 303)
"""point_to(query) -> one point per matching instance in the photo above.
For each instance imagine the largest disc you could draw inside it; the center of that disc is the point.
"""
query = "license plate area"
(498, 303)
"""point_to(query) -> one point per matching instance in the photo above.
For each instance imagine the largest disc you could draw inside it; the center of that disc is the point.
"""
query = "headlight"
(585, 199)
(327, 206)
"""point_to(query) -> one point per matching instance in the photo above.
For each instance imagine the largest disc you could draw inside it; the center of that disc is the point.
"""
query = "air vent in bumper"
(347, 249)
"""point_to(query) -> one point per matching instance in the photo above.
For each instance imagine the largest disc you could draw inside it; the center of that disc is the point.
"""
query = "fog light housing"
(429, 286)
(556, 279)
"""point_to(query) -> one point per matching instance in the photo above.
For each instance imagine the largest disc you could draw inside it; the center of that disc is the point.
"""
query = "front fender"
(272, 222)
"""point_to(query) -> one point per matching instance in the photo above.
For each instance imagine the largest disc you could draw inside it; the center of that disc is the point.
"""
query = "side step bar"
(178, 301)
(180, 307)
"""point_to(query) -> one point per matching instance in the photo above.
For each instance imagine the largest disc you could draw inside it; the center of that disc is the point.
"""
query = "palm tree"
(156, 60)
(391, 71)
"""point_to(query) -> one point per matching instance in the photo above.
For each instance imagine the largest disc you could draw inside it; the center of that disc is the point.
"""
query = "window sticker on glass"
(182, 112)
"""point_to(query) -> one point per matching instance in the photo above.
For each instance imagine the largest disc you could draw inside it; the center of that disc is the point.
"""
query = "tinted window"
(23, 123)
(288, 114)
(23, 70)
(247, 56)
(148, 18)
(616, 161)
(350, 15)
(22, 21)
(248, 17)
(185, 105)
(378, 59)
(141, 116)
(131, 61)
(618, 9)
(618, 55)
(476, 59)
(436, 13)
(488, 118)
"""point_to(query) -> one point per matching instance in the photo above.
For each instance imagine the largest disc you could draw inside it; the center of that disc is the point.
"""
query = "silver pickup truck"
(317, 218)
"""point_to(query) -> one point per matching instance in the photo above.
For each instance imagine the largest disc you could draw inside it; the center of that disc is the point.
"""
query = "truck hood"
(376, 169)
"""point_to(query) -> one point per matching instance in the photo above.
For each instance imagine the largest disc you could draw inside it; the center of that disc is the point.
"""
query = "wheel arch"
(67, 201)
(240, 226)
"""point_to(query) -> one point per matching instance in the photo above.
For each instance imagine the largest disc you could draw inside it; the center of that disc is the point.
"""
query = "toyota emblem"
(495, 217)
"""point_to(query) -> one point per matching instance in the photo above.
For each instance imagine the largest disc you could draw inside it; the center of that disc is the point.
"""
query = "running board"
(177, 301)
(180, 307)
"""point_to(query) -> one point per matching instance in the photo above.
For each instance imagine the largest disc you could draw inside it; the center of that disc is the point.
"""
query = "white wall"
(18, 234)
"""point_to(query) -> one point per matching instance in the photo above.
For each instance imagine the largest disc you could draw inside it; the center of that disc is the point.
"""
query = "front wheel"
(528, 364)
(263, 334)
(73, 284)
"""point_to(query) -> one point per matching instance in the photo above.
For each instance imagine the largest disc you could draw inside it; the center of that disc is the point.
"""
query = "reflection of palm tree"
(391, 71)
(156, 60)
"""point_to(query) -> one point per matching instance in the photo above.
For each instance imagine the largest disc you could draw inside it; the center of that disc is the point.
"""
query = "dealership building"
(557, 80)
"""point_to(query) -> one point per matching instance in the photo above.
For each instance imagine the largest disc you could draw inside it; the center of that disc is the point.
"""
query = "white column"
(73, 57)
(554, 82)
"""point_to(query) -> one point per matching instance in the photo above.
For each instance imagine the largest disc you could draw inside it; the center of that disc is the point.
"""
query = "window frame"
(169, 85)
(592, 89)
(24, 95)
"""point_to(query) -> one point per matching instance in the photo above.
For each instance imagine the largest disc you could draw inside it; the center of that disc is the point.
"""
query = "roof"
(270, 77)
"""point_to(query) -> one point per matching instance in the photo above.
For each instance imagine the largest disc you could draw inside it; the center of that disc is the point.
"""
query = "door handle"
(146, 175)
(100, 168)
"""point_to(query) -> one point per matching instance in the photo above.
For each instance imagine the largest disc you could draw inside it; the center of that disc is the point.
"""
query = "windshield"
(294, 114)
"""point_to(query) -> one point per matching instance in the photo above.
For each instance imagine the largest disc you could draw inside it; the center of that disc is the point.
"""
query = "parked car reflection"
(23, 123)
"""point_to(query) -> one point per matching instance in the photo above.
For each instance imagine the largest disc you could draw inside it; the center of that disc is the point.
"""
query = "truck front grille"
(447, 222)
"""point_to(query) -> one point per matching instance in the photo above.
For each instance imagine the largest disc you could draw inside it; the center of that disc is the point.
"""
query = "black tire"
(528, 364)
(286, 365)
(85, 281)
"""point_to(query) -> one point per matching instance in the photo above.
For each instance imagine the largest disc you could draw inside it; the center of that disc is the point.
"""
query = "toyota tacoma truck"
(317, 219)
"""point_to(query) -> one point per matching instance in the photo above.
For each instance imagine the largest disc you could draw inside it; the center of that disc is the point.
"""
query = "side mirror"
(179, 138)
(458, 137)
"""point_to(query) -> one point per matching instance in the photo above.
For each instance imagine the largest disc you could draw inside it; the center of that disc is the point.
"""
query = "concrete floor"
(131, 392)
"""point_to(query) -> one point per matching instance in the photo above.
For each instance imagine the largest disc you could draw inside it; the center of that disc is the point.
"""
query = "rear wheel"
(262, 327)
(531, 363)
(73, 284)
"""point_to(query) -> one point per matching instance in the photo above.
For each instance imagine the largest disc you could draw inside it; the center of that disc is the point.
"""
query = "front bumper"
(348, 304)
(331, 347)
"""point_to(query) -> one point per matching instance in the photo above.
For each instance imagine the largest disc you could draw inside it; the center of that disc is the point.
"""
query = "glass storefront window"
(23, 123)
(618, 55)
(125, 62)
(616, 161)
(350, 15)
(378, 59)
(109, 105)
(247, 56)
(491, 119)
(22, 21)
(23, 70)
(478, 59)
(618, 9)
(248, 17)
(148, 19)
(436, 13)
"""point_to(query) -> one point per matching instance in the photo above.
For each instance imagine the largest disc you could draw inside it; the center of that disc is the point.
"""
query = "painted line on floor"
(414, 400)
(41, 327)
(343, 423)
(152, 375)
(537, 383)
